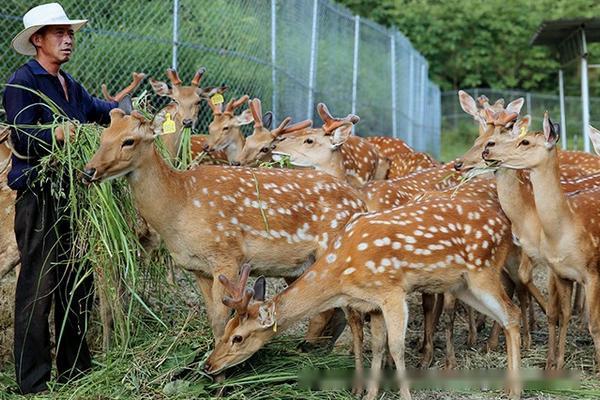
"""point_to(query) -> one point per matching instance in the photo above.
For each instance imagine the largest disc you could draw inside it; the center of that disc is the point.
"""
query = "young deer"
(214, 218)
(337, 152)
(183, 108)
(569, 225)
(373, 265)
(224, 132)
(257, 147)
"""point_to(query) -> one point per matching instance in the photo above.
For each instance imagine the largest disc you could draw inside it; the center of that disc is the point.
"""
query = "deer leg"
(378, 342)
(526, 278)
(472, 336)
(450, 313)
(355, 322)
(205, 284)
(486, 295)
(565, 290)
(552, 314)
(524, 303)
(428, 303)
(592, 298)
(395, 314)
(494, 339)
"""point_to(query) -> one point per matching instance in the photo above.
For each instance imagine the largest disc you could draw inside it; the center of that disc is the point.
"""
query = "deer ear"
(468, 104)
(521, 127)
(160, 88)
(340, 135)
(595, 137)
(244, 118)
(267, 120)
(266, 315)
(260, 288)
(550, 132)
(515, 105)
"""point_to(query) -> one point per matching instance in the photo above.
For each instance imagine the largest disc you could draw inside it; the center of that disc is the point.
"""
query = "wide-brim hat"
(37, 18)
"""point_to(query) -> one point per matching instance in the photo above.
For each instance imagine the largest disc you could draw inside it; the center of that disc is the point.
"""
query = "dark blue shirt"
(23, 108)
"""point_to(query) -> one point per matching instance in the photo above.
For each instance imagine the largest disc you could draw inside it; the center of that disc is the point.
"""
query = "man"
(42, 229)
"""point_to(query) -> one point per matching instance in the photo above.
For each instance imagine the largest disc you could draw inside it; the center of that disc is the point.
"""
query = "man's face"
(55, 42)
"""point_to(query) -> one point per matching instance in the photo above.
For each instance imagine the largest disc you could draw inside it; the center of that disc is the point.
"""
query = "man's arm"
(97, 110)
(21, 109)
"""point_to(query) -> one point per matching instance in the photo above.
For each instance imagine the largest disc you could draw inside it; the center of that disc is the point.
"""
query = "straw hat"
(37, 18)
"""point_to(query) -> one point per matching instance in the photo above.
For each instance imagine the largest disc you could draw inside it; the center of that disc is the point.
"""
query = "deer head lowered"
(259, 145)
(214, 218)
(375, 263)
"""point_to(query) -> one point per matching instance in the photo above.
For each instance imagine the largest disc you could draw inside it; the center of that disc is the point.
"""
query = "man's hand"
(59, 132)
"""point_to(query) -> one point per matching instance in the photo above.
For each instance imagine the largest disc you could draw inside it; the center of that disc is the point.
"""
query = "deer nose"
(88, 174)
(458, 165)
(187, 122)
(485, 153)
(235, 163)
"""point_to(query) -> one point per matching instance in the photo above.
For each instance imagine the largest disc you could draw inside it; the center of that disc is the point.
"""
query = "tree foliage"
(476, 43)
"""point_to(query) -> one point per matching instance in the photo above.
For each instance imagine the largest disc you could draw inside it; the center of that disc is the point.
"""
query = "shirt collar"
(37, 69)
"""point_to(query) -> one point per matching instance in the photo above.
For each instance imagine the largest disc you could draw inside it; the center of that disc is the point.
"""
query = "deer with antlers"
(213, 218)
(373, 265)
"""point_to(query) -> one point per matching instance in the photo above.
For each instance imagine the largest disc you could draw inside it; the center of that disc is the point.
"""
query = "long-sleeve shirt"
(24, 107)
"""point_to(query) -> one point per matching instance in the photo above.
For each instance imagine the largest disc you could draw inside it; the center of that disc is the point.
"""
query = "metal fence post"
(411, 98)
(423, 96)
(393, 62)
(528, 101)
(175, 32)
(355, 63)
(585, 95)
(274, 59)
(313, 61)
(563, 119)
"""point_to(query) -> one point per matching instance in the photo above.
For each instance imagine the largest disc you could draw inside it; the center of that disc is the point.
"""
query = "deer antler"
(297, 127)
(330, 123)
(173, 77)
(255, 106)
(198, 76)
(234, 104)
(501, 118)
(137, 78)
(238, 296)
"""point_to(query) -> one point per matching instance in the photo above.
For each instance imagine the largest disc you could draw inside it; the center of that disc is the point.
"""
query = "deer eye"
(309, 141)
(264, 150)
(524, 142)
(225, 128)
(127, 142)
(237, 339)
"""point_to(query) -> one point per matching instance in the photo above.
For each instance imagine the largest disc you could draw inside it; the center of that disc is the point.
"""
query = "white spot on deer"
(205, 190)
(485, 244)
(409, 247)
(382, 242)
(197, 203)
(331, 258)
(362, 246)
(348, 271)
(396, 245)
(371, 266)
(310, 275)
(386, 262)
(410, 239)
(324, 240)
(334, 224)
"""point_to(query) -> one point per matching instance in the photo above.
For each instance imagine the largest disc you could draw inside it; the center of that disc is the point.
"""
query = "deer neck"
(154, 186)
(518, 204)
(234, 148)
(553, 209)
(335, 166)
(304, 298)
(170, 140)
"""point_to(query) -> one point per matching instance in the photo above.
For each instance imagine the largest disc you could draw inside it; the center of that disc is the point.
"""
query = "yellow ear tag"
(523, 132)
(217, 99)
(169, 125)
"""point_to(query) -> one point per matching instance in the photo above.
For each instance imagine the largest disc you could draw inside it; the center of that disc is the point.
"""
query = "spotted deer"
(378, 259)
(389, 146)
(183, 108)
(257, 147)
(224, 132)
(408, 163)
(569, 226)
(214, 218)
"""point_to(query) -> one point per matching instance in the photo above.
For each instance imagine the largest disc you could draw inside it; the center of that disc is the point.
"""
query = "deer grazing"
(280, 220)
(373, 265)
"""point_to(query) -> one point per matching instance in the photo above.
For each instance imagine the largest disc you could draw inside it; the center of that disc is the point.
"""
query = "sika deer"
(212, 218)
(569, 225)
(373, 265)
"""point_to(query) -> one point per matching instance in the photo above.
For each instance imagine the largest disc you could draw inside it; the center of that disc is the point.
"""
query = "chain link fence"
(455, 119)
(292, 54)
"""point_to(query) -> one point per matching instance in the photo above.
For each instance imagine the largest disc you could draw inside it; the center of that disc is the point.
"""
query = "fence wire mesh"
(292, 54)
(454, 118)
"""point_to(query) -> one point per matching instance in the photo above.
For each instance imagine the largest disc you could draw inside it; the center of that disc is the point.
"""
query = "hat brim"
(21, 42)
